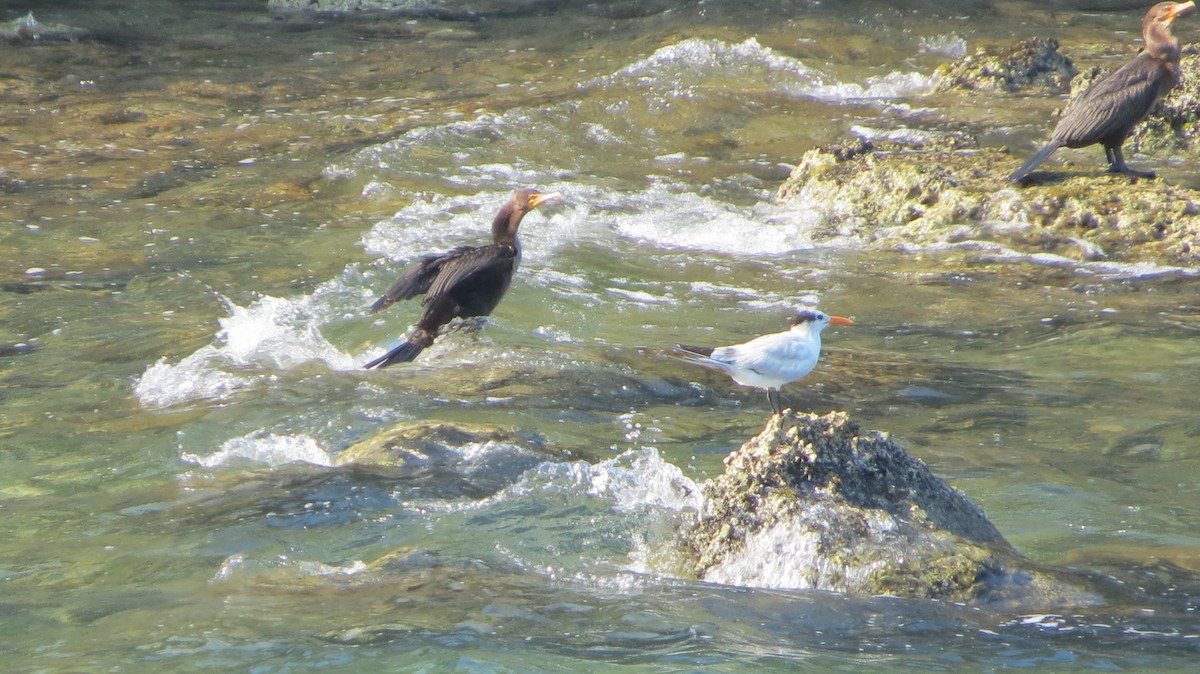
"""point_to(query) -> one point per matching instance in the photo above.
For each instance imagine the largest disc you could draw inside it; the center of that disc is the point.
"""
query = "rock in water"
(940, 192)
(28, 30)
(1034, 63)
(816, 502)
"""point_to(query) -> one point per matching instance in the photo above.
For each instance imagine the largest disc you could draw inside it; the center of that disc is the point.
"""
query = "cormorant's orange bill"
(1179, 9)
(539, 198)
(840, 320)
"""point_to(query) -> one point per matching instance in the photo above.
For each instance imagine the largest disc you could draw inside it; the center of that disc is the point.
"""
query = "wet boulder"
(441, 459)
(816, 502)
(1030, 64)
(899, 194)
(432, 442)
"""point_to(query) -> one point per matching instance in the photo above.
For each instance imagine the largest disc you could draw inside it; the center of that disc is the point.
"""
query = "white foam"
(1101, 269)
(639, 297)
(662, 213)
(684, 219)
(891, 86)
(267, 449)
(691, 66)
(639, 479)
(896, 134)
(196, 377)
(948, 45)
(238, 565)
(635, 480)
(790, 554)
(271, 334)
(740, 298)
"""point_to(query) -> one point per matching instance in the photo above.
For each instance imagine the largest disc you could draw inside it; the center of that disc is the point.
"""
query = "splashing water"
(271, 334)
(268, 449)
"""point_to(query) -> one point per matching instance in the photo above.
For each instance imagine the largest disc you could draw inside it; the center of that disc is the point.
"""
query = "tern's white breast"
(772, 360)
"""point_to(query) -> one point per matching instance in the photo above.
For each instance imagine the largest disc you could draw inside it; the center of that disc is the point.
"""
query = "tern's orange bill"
(840, 320)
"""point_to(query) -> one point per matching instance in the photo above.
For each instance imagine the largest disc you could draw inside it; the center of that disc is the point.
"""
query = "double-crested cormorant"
(463, 282)
(770, 361)
(1110, 108)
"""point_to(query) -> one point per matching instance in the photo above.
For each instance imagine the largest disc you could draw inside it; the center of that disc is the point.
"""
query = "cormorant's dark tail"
(1035, 161)
(403, 353)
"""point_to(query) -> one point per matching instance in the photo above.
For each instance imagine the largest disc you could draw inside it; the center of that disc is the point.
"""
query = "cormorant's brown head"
(528, 199)
(1156, 29)
(504, 227)
(1166, 12)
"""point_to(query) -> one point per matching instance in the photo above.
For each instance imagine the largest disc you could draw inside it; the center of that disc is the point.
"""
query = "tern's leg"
(773, 398)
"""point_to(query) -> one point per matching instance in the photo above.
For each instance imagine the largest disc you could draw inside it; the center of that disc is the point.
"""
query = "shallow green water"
(213, 196)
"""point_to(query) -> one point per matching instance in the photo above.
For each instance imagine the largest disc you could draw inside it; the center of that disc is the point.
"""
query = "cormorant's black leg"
(1116, 163)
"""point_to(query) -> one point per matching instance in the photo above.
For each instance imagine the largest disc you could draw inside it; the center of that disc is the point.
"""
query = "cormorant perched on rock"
(1109, 109)
(770, 361)
(463, 282)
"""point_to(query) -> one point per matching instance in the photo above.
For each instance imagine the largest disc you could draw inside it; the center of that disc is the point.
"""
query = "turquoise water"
(202, 202)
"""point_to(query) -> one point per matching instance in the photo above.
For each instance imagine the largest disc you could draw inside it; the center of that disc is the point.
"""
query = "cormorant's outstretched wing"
(1110, 107)
(417, 279)
(463, 263)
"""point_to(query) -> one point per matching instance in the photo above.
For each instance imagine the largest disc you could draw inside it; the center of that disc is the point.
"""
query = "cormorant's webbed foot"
(470, 325)
(1125, 170)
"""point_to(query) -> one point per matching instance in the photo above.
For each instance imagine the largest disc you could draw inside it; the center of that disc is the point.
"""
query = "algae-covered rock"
(817, 502)
(442, 459)
(431, 442)
(1033, 63)
(920, 194)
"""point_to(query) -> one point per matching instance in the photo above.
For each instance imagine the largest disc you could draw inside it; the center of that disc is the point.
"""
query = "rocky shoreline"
(930, 189)
(922, 194)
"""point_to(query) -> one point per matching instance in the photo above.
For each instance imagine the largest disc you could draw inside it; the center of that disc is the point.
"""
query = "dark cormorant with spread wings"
(463, 282)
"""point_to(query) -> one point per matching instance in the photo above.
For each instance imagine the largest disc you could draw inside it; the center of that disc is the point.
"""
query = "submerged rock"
(354, 5)
(446, 10)
(445, 460)
(28, 30)
(431, 442)
(937, 193)
(1033, 63)
(817, 502)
